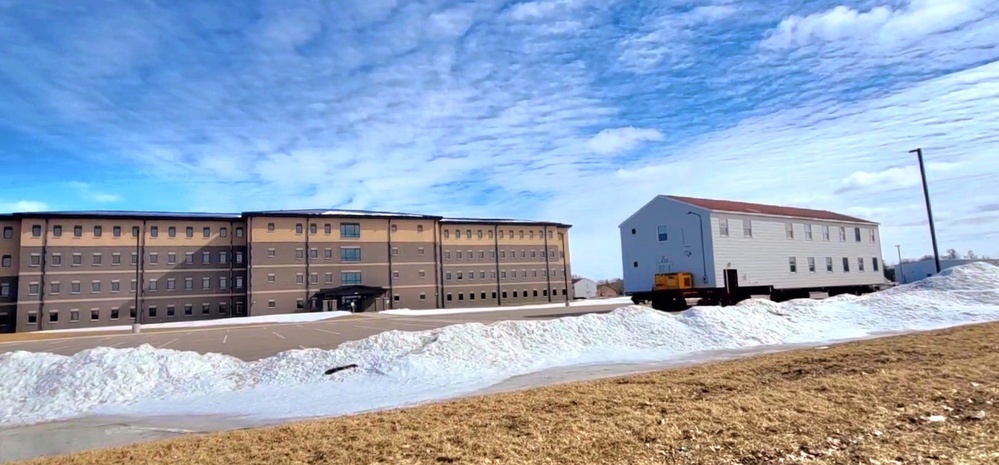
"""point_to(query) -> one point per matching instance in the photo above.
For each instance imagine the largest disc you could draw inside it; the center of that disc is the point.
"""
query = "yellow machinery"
(673, 281)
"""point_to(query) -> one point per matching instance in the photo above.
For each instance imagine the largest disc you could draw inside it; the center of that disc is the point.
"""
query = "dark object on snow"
(336, 369)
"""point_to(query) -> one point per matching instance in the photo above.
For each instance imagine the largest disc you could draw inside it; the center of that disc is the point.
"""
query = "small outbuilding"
(584, 288)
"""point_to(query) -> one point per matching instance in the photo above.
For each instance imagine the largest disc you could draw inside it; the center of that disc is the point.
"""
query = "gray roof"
(338, 212)
(129, 214)
(499, 221)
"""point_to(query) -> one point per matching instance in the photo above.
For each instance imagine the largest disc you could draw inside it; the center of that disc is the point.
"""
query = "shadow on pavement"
(560, 315)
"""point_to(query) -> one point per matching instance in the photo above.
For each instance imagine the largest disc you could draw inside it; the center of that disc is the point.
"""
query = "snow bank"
(235, 321)
(453, 311)
(401, 368)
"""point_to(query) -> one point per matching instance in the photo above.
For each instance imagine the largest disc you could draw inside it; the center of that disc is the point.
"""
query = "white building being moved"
(764, 248)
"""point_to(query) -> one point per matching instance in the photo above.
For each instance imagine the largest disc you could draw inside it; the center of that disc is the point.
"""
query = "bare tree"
(971, 255)
(951, 254)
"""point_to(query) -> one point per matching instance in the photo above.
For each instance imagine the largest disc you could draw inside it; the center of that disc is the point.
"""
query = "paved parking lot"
(255, 342)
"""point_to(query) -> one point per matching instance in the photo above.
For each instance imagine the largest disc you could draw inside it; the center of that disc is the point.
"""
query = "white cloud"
(23, 206)
(881, 26)
(617, 140)
(893, 177)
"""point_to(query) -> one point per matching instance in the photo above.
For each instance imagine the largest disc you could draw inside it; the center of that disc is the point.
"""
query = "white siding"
(643, 255)
(763, 259)
(584, 289)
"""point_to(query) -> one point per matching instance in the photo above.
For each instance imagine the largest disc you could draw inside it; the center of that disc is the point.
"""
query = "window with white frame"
(723, 227)
(811, 264)
(793, 264)
(747, 228)
(789, 230)
(808, 232)
(661, 233)
(825, 233)
(860, 263)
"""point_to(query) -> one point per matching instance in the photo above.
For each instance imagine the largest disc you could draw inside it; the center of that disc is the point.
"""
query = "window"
(223, 257)
(77, 259)
(870, 233)
(350, 230)
(722, 227)
(95, 314)
(55, 287)
(395, 228)
(328, 229)
(206, 309)
(313, 228)
(856, 234)
(270, 226)
(239, 282)
(395, 274)
(808, 232)
(135, 233)
(846, 265)
(423, 296)
(132, 286)
(171, 310)
(299, 254)
(223, 310)
(36, 259)
(116, 258)
(135, 258)
(95, 286)
(423, 273)
(206, 283)
(189, 309)
(116, 231)
(271, 278)
(6, 261)
(314, 278)
(874, 263)
(54, 316)
(299, 229)
(152, 311)
(206, 257)
(421, 251)
(154, 258)
(32, 318)
(860, 263)
(299, 278)
(825, 233)
(154, 231)
(116, 286)
(271, 253)
(36, 230)
(811, 264)
(189, 231)
(224, 232)
(33, 289)
(189, 258)
(395, 251)
(172, 231)
(271, 304)
(98, 231)
(661, 231)
(329, 254)
(350, 254)
(313, 253)
(8, 232)
(329, 278)
(842, 234)
(77, 231)
(447, 276)
(350, 277)
(239, 232)
(747, 228)
(239, 257)
(457, 234)
(223, 282)
(789, 230)
(115, 313)
(4, 289)
(206, 232)
(131, 312)
(419, 228)
(96, 259)
(188, 284)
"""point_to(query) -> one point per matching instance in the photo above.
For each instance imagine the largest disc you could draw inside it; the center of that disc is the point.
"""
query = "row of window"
(347, 254)
(504, 274)
(97, 259)
(793, 264)
(747, 231)
(116, 231)
(55, 287)
(221, 308)
(346, 277)
(347, 230)
(471, 255)
(516, 294)
(479, 234)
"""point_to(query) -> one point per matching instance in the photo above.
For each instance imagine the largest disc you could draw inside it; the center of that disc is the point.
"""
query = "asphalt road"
(255, 342)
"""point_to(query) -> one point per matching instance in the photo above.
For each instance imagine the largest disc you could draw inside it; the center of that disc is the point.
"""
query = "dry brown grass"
(863, 402)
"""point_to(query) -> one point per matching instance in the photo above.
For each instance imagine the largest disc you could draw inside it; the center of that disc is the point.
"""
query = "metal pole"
(704, 258)
(929, 210)
(899, 249)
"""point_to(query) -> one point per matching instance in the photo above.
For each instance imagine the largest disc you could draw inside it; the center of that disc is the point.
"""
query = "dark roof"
(763, 209)
(351, 289)
(504, 221)
(123, 214)
(336, 212)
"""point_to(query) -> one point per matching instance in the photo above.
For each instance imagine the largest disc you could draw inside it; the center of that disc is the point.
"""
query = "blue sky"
(569, 110)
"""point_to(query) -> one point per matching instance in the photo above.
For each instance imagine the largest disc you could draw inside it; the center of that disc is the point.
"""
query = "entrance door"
(731, 280)
(7, 319)
(330, 305)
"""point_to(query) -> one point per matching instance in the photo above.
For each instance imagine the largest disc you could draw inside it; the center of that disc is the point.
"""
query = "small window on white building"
(860, 263)
(874, 263)
(789, 228)
(811, 264)
(808, 232)
(661, 231)
(723, 227)
(747, 228)
(793, 264)
(825, 233)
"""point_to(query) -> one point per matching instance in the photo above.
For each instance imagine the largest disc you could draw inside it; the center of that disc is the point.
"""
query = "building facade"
(760, 245)
(64, 270)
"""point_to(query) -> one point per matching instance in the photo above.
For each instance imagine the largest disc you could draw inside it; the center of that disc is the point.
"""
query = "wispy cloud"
(570, 110)
(88, 193)
(23, 206)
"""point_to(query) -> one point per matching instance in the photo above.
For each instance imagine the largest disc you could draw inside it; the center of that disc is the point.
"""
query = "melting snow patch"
(236, 321)
(398, 368)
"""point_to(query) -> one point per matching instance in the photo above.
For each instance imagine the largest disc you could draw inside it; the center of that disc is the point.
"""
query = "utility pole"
(899, 268)
(929, 210)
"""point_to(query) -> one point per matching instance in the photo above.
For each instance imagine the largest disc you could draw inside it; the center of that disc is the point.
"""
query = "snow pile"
(235, 321)
(400, 368)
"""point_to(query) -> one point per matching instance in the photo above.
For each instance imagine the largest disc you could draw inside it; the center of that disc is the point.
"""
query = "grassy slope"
(864, 402)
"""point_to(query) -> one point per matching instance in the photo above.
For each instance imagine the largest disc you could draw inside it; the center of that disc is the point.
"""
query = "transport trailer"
(673, 292)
